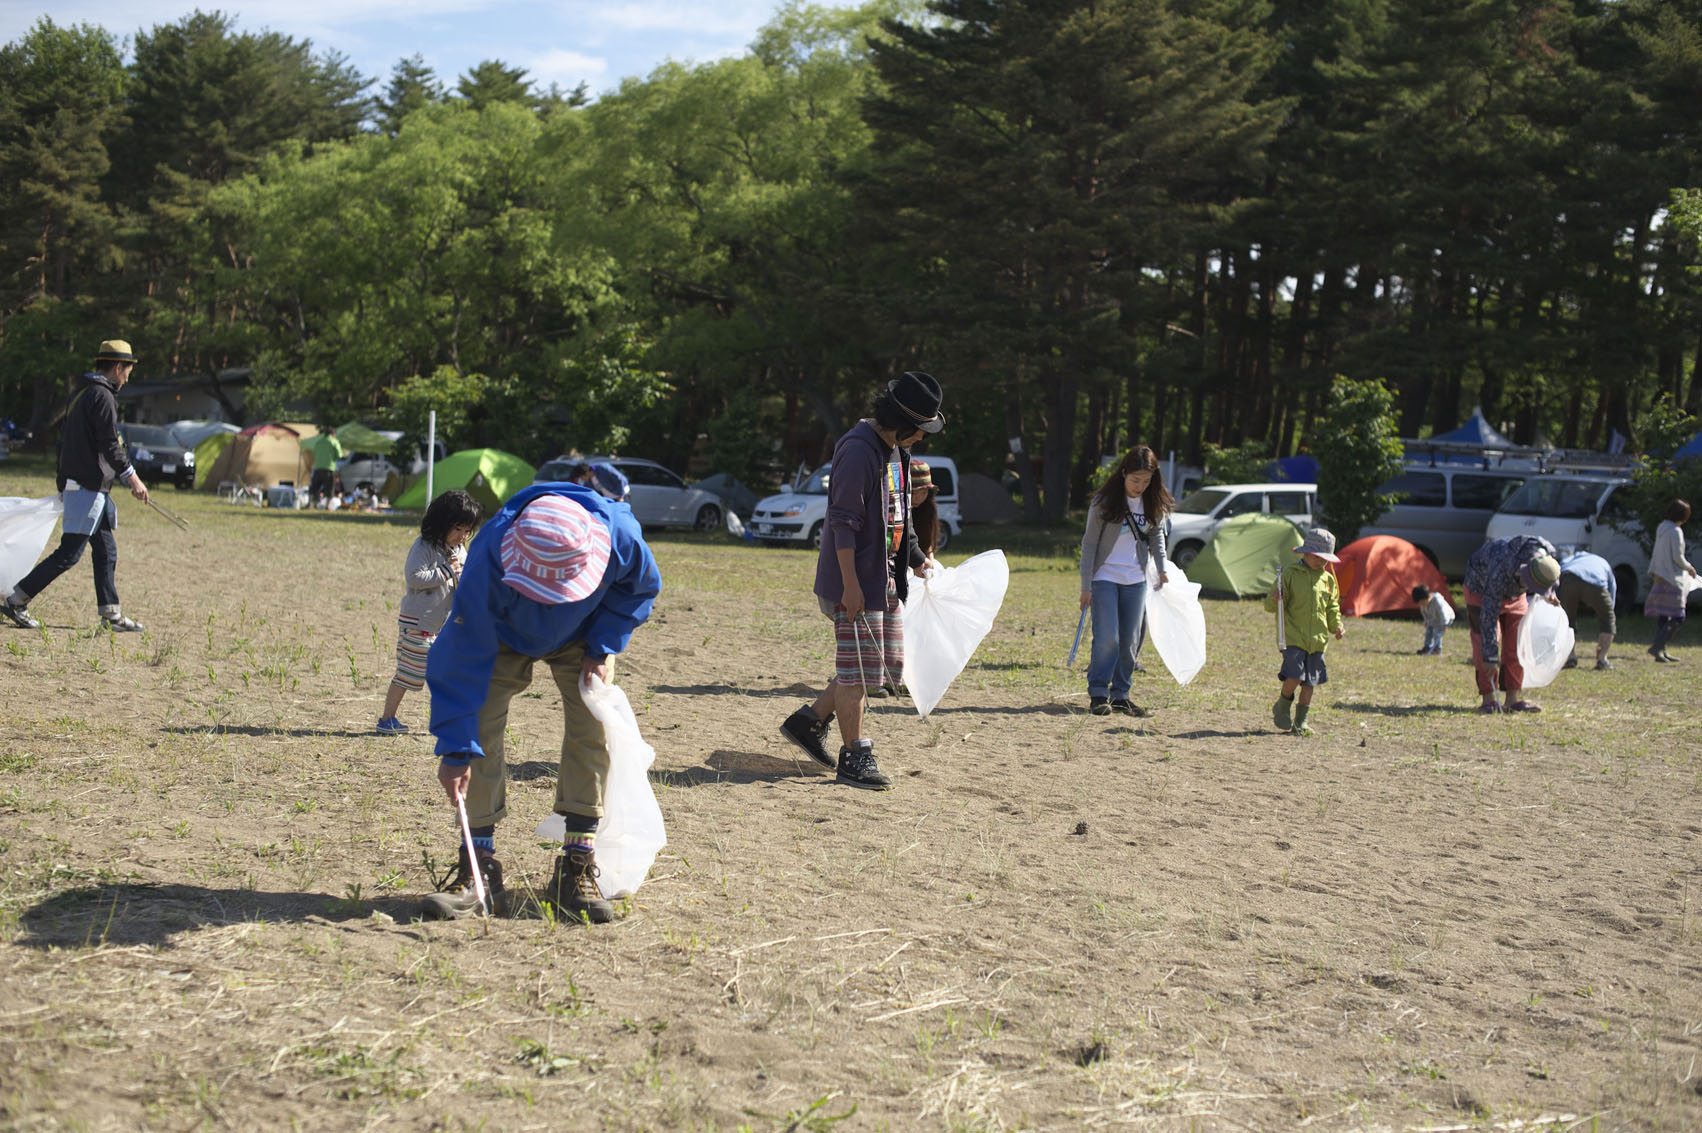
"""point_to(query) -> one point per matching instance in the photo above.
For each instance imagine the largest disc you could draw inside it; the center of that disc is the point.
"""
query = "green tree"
(60, 91)
(412, 85)
(494, 81)
(1358, 446)
(1039, 158)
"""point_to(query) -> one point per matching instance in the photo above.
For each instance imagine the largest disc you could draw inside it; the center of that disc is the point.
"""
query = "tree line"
(1099, 222)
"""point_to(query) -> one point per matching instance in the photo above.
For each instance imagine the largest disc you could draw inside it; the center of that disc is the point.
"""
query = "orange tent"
(1377, 573)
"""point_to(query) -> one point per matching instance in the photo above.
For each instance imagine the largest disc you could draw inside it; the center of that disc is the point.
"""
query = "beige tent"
(264, 456)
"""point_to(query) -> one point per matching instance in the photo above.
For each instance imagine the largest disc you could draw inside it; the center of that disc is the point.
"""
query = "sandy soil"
(1416, 919)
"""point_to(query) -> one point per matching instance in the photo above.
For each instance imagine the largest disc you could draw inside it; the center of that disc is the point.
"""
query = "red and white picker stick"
(472, 856)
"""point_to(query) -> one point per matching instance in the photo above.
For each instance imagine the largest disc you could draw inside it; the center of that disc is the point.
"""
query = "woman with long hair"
(1669, 569)
(1121, 550)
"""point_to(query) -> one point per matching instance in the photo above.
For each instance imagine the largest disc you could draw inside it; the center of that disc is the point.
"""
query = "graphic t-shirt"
(897, 505)
(1123, 564)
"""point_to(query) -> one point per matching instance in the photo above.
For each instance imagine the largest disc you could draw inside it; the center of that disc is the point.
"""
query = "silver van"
(1445, 509)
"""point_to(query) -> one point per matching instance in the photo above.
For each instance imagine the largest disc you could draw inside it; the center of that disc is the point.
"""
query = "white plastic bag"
(945, 618)
(25, 526)
(735, 525)
(631, 832)
(1177, 624)
(1545, 641)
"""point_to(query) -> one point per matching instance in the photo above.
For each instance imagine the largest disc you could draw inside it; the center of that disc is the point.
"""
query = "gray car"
(658, 497)
(1445, 508)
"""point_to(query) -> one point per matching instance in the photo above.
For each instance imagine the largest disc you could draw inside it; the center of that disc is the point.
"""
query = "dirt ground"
(1416, 919)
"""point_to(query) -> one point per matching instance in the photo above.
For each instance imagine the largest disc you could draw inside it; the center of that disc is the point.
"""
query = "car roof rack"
(1520, 457)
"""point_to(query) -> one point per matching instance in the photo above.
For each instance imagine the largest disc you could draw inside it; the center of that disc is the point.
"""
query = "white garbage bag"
(1545, 641)
(631, 833)
(1177, 624)
(735, 525)
(25, 527)
(945, 618)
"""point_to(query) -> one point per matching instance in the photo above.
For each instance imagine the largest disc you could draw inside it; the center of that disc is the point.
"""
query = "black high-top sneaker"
(573, 891)
(810, 734)
(461, 899)
(857, 768)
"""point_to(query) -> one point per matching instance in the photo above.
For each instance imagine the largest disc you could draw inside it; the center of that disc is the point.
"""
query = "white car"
(800, 514)
(373, 469)
(1584, 513)
(1196, 518)
(657, 496)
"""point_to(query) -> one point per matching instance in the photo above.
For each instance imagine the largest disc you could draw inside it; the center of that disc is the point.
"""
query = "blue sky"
(599, 42)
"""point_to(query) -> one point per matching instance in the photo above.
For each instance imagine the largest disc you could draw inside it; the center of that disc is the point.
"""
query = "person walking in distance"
(861, 573)
(91, 458)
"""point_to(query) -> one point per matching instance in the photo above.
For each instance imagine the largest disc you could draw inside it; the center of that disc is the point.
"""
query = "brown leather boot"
(573, 891)
(461, 899)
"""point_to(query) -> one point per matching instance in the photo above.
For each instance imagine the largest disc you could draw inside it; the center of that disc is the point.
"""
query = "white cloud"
(694, 19)
(566, 68)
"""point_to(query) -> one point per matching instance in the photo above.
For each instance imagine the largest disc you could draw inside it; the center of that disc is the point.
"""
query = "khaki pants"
(584, 769)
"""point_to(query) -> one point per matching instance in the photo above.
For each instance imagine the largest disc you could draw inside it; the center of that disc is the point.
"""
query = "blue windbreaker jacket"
(486, 612)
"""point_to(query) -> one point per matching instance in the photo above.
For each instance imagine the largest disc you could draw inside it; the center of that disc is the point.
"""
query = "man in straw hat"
(562, 576)
(1499, 575)
(866, 546)
(91, 457)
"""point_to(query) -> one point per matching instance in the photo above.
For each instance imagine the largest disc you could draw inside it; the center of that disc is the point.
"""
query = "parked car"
(1198, 515)
(799, 514)
(373, 469)
(1585, 513)
(1445, 509)
(658, 497)
(159, 455)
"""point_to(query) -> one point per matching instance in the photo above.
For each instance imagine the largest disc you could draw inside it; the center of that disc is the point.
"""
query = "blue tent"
(1301, 469)
(1692, 447)
(1474, 431)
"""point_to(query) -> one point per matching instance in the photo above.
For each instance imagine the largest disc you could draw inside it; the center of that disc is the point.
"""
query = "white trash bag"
(631, 833)
(945, 618)
(735, 526)
(1177, 624)
(25, 527)
(1545, 641)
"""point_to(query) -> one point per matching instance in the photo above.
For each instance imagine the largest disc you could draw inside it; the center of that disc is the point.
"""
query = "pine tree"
(412, 85)
(495, 81)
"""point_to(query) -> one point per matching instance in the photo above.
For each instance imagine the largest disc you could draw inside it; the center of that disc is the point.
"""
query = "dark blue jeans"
(103, 546)
(1119, 622)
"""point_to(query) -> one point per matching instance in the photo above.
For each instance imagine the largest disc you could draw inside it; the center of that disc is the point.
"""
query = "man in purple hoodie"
(866, 550)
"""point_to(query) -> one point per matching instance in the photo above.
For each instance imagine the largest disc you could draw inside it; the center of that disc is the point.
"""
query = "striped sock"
(581, 834)
(484, 839)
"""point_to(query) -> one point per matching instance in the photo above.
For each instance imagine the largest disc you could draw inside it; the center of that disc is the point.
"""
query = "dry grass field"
(1418, 919)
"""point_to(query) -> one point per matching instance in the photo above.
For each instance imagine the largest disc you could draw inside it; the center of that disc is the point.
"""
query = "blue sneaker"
(390, 726)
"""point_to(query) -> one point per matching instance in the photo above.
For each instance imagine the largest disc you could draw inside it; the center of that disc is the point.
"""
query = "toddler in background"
(1310, 601)
(1438, 615)
(432, 570)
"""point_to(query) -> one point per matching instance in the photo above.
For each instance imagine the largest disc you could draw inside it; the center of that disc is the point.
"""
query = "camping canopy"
(1377, 573)
(489, 474)
(356, 437)
(263, 456)
(1474, 431)
(1242, 558)
(1692, 447)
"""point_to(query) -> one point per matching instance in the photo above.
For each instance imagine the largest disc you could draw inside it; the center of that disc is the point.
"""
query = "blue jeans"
(1433, 638)
(1119, 616)
(103, 548)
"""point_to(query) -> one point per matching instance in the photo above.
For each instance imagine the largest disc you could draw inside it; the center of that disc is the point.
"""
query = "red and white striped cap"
(555, 551)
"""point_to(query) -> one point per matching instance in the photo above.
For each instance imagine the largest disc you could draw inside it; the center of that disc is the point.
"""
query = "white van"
(800, 514)
(1198, 515)
(1444, 509)
(1586, 513)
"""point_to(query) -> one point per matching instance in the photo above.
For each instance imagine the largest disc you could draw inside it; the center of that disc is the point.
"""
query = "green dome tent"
(489, 474)
(1242, 558)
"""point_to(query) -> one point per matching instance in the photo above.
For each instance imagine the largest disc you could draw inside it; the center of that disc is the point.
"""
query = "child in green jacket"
(1311, 612)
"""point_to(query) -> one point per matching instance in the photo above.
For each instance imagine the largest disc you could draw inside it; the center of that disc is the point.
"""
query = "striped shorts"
(412, 645)
(868, 650)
